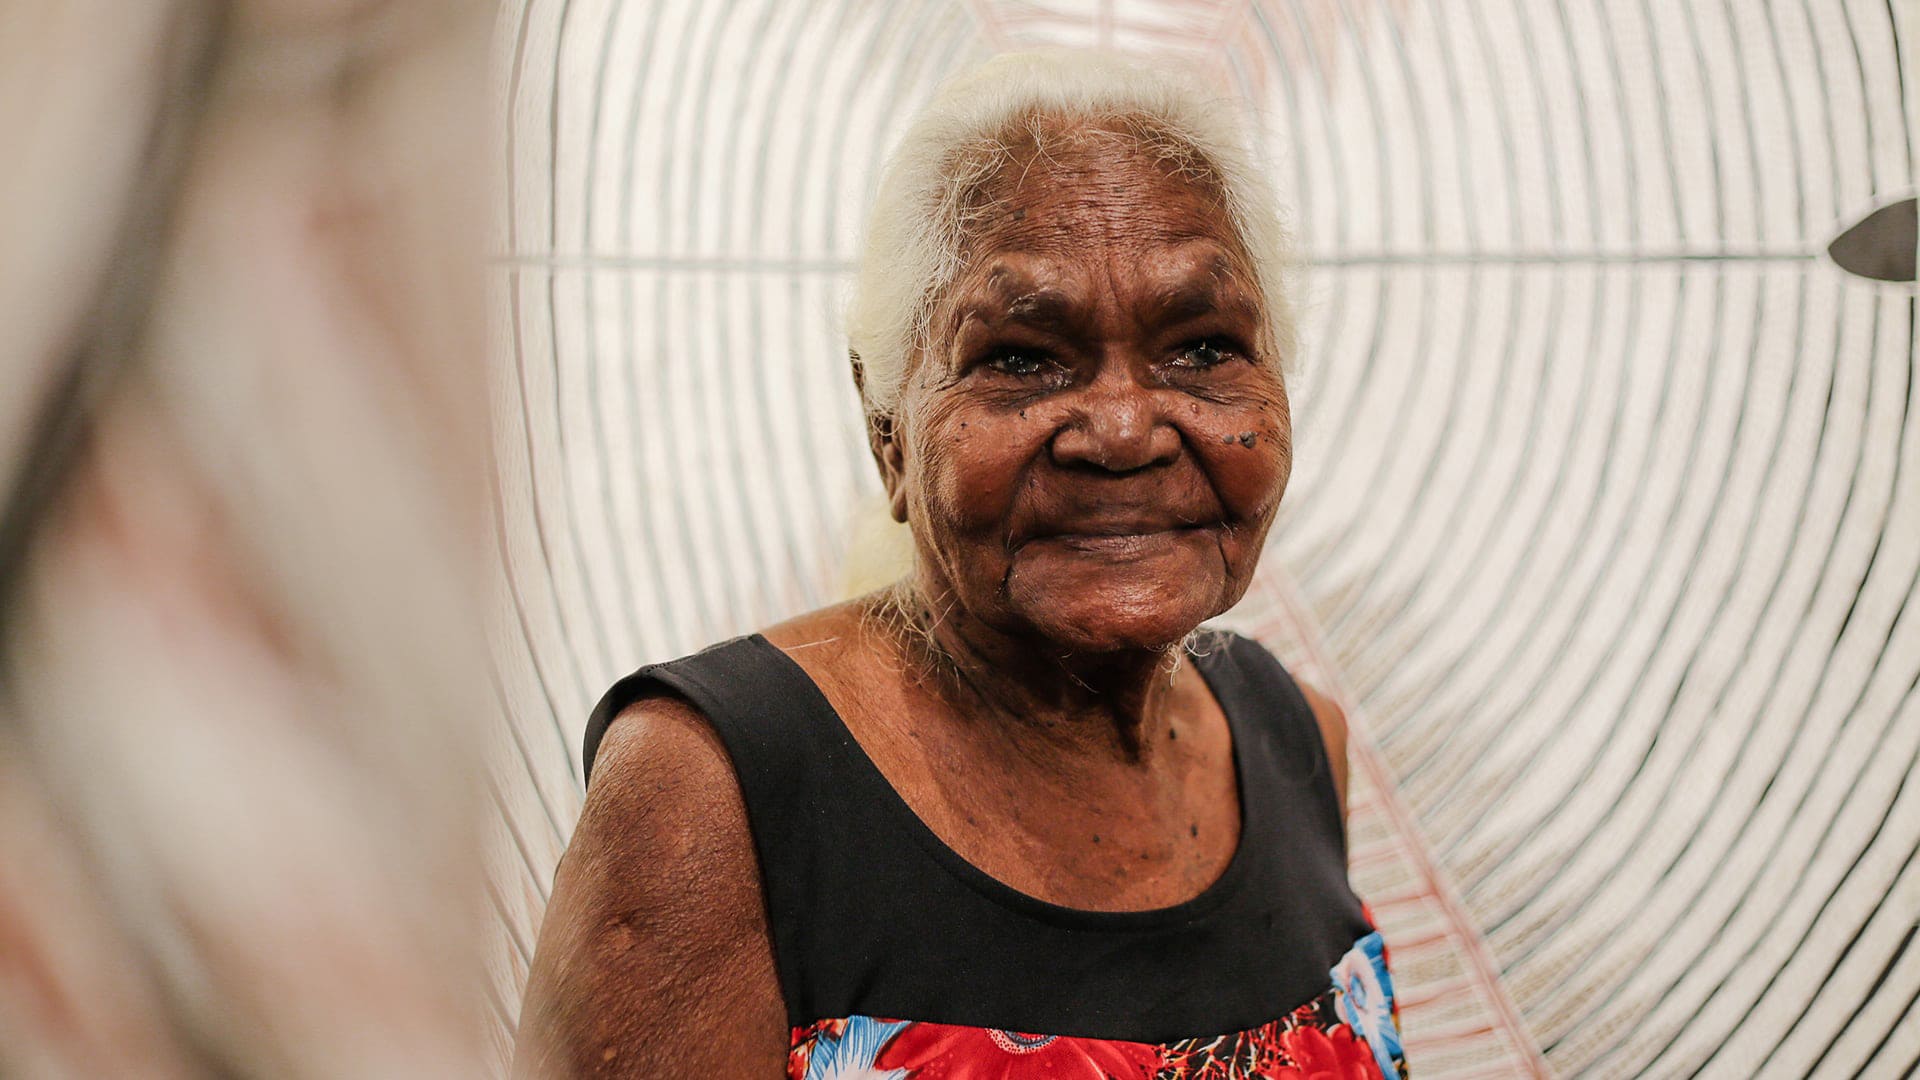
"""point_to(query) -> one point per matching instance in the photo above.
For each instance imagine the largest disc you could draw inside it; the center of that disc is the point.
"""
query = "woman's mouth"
(1119, 538)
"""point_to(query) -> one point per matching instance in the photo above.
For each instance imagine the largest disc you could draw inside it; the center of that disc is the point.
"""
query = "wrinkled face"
(1095, 444)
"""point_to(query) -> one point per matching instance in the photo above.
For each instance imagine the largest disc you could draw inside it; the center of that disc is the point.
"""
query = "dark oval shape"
(1881, 245)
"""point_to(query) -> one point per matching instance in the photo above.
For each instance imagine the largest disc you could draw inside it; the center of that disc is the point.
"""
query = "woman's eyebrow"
(1041, 308)
(1192, 297)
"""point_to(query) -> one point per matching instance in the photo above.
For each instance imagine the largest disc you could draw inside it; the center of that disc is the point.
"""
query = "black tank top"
(898, 956)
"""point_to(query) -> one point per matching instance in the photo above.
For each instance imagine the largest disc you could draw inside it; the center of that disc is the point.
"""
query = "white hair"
(973, 130)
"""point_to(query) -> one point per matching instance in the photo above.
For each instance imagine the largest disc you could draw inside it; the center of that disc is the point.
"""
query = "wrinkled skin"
(1090, 459)
(1093, 450)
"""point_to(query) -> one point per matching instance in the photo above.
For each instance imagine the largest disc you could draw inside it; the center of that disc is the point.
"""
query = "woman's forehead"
(1048, 214)
(1094, 191)
(1162, 282)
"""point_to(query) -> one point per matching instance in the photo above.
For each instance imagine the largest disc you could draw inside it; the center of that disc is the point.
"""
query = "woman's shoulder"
(830, 638)
(652, 734)
(847, 653)
(849, 634)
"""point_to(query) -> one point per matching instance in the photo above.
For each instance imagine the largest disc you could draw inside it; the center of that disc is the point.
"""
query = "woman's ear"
(883, 440)
(885, 447)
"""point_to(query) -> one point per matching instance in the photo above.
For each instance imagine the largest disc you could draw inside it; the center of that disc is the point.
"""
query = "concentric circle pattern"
(1607, 496)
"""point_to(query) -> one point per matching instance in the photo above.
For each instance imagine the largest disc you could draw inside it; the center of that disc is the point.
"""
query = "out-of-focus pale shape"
(70, 1003)
(244, 671)
(78, 82)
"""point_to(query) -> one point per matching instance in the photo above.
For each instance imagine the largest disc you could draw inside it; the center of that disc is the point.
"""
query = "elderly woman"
(1016, 816)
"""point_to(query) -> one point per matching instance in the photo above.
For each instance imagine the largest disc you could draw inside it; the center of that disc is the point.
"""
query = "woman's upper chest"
(1063, 819)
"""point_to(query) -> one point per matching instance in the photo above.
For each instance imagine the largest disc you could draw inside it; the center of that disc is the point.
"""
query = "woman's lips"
(1119, 538)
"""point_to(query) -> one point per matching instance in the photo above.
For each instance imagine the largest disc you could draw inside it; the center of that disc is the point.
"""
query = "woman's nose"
(1116, 425)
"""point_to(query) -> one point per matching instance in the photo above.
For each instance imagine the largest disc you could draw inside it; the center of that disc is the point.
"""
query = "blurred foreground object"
(244, 452)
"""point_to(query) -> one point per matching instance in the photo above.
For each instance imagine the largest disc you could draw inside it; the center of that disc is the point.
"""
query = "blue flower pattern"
(850, 1055)
(1363, 995)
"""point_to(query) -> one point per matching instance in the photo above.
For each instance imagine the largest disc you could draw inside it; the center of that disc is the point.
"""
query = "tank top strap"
(751, 694)
(1274, 723)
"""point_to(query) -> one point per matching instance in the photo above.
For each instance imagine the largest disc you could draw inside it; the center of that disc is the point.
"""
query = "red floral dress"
(1350, 1032)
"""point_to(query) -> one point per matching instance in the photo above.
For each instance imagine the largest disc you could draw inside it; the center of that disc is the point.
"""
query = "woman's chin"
(1116, 614)
(1149, 595)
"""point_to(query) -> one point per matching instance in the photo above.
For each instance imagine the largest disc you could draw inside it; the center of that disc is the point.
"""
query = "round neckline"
(1219, 891)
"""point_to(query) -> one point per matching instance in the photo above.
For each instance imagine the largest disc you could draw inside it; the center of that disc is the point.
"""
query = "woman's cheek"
(971, 471)
(1248, 479)
(1249, 455)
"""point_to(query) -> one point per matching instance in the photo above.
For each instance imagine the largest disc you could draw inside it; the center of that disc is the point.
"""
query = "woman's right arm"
(655, 958)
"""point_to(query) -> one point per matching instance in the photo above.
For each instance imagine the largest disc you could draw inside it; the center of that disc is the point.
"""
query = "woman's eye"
(1018, 362)
(1205, 353)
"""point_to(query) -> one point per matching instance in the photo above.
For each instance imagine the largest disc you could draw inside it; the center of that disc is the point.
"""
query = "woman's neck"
(1118, 704)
